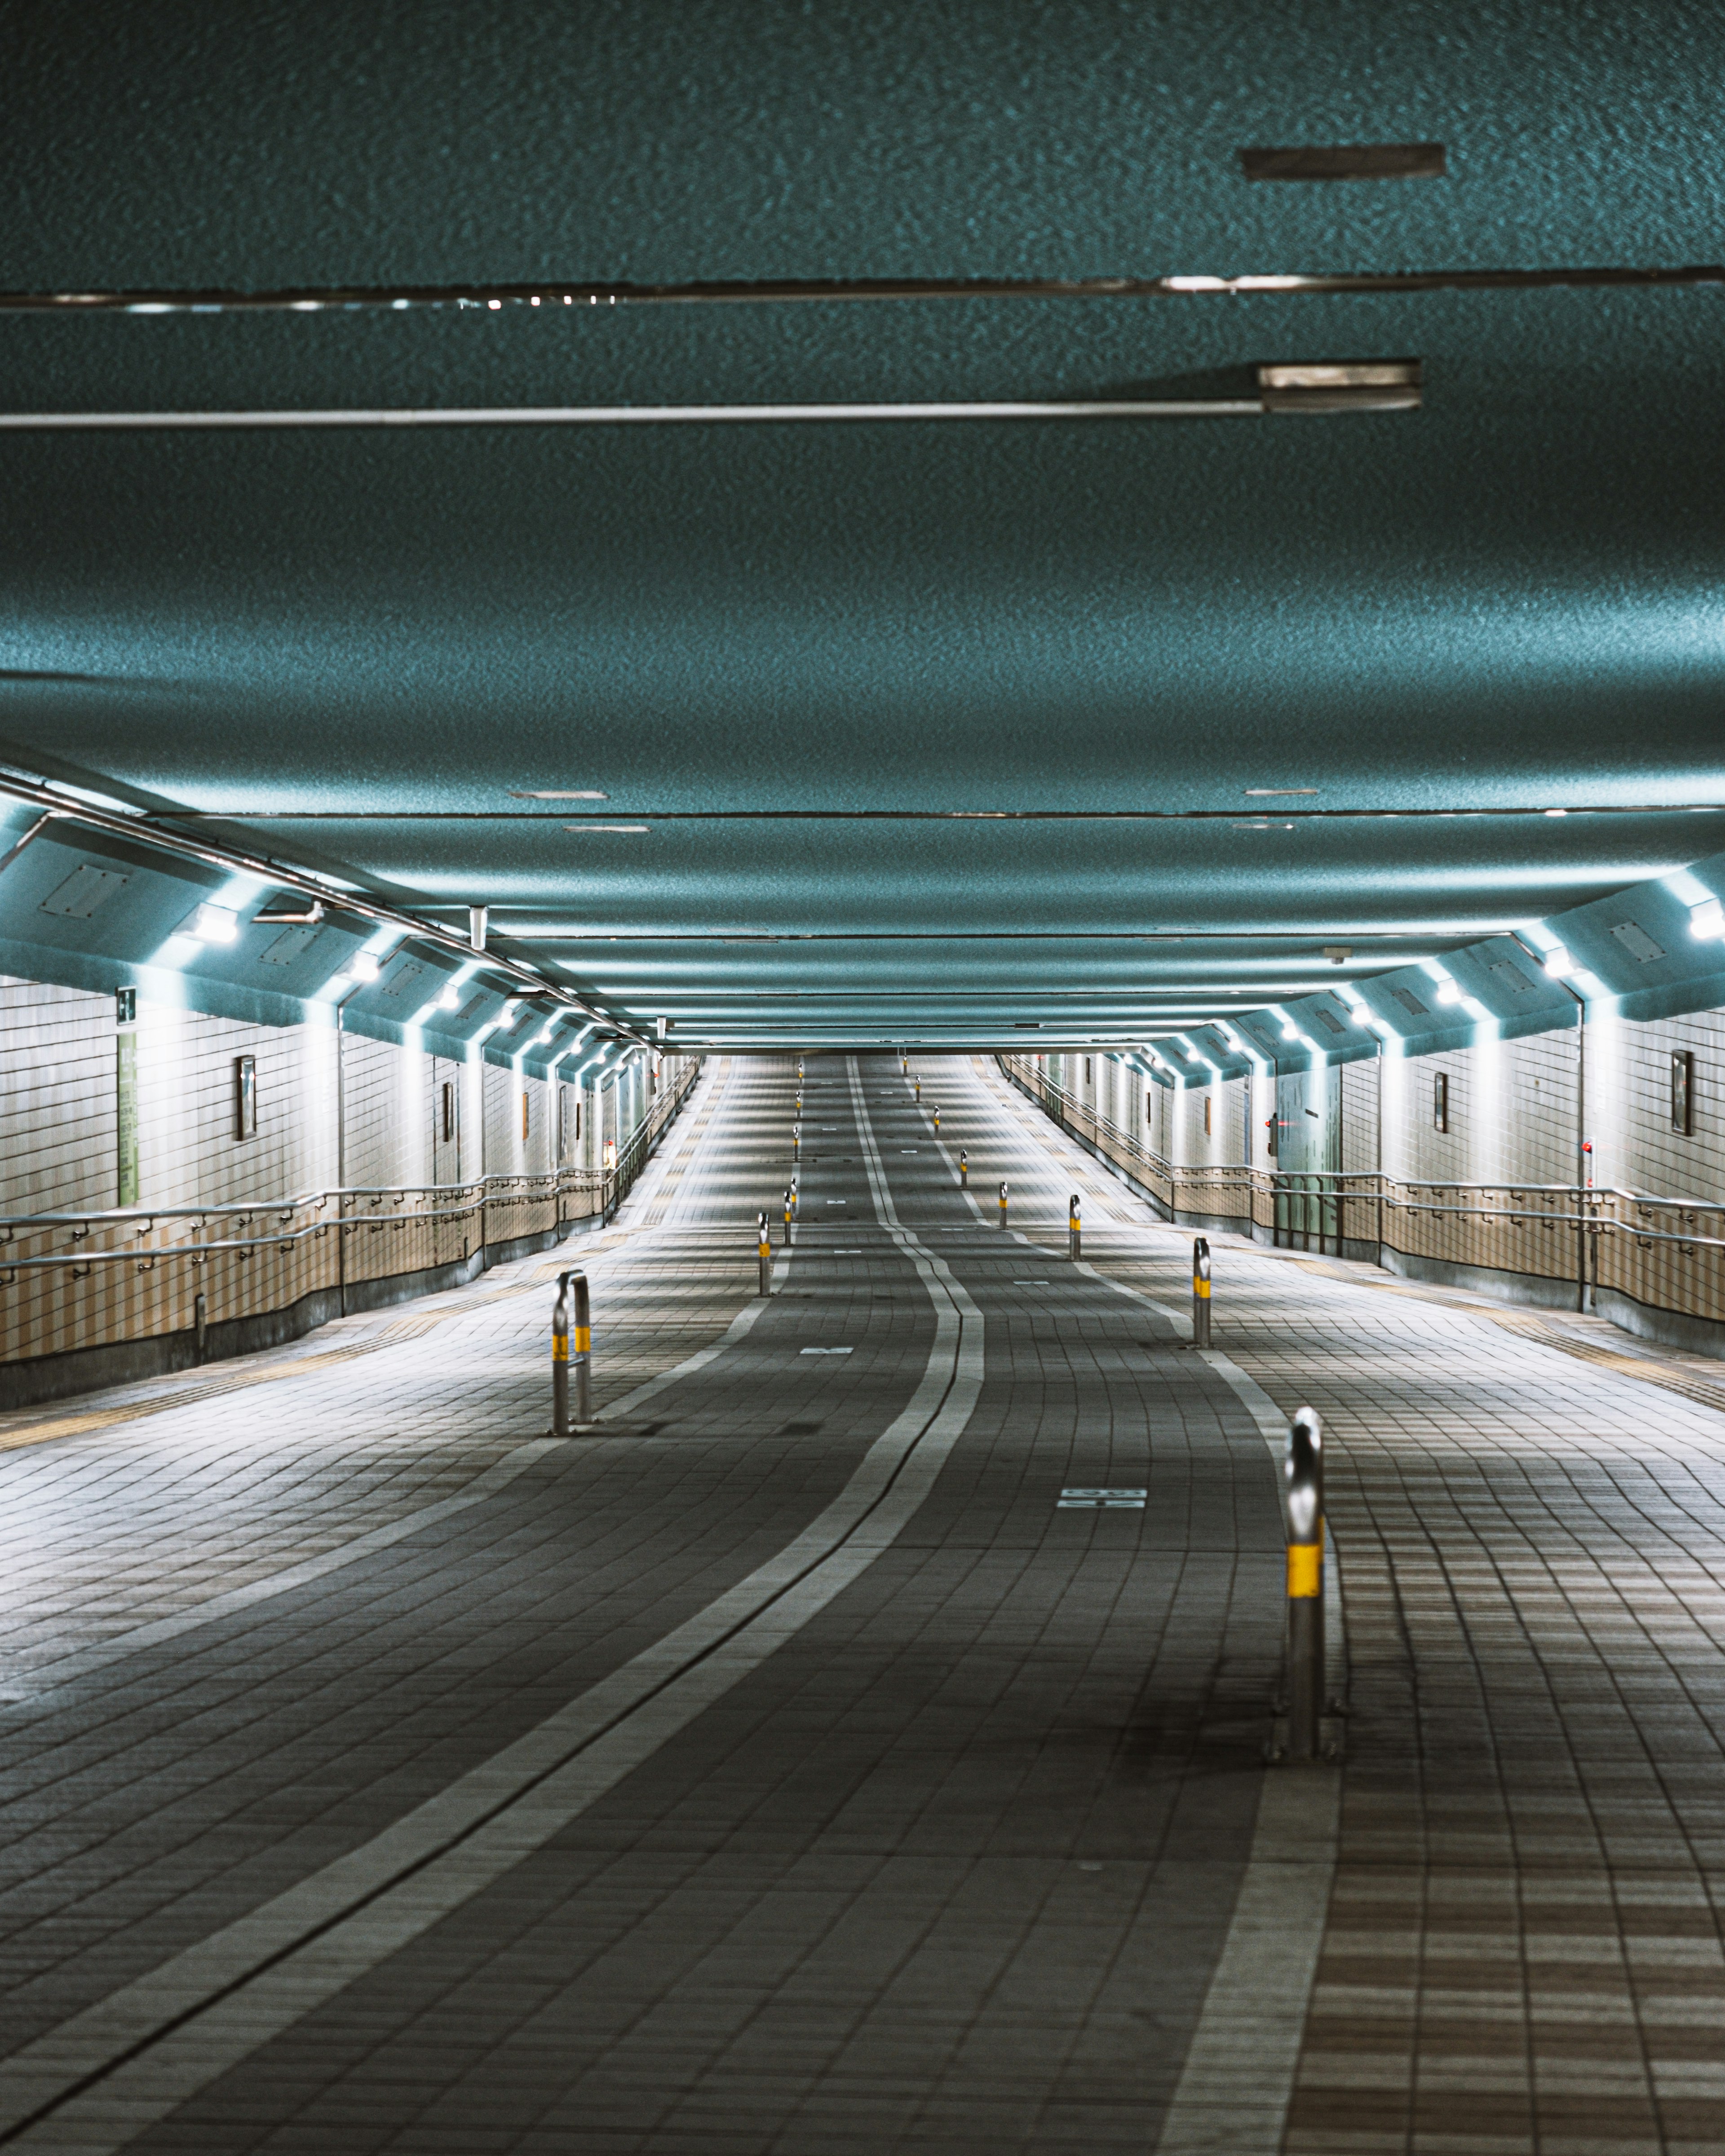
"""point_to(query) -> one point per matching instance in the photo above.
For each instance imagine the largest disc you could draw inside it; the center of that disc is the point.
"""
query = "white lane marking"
(1237, 2080)
(824, 1351)
(83, 1661)
(733, 1332)
(1235, 2086)
(237, 1989)
(835, 1201)
(46, 1678)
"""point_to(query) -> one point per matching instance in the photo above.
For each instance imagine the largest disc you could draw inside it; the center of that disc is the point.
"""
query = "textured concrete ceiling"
(812, 658)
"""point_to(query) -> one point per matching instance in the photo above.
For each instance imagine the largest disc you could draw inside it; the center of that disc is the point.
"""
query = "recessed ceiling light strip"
(554, 294)
(139, 830)
(1233, 816)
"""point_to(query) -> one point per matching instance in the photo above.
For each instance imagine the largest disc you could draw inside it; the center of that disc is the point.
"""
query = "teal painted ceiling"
(967, 717)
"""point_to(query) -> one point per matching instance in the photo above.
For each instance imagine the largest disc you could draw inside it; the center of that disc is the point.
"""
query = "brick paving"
(948, 1859)
(1524, 1947)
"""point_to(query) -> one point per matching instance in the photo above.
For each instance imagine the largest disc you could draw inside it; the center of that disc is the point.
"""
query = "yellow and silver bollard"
(1003, 1202)
(583, 1355)
(919, 1092)
(766, 1243)
(787, 1215)
(937, 1119)
(963, 1169)
(794, 1197)
(1305, 1473)
(1074, 1230)
(1200, 1292)
(565, 1326)
(796, 1141)
(560, 1360)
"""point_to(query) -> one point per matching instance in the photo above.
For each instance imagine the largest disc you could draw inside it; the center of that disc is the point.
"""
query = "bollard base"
(1331, 1743)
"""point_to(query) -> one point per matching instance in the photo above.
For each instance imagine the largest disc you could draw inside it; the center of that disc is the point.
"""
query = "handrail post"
(1200, 1292)
(1074, 1236)
(1305, 1473)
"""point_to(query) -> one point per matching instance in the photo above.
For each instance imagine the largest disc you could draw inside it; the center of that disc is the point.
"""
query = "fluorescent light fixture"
(626, 828)
(1369, 385)
(1276, 792)
(1558, 963)
(583, 794)
(214, 924)
(1449, 991)
(450, 999)
(363, 966)
(1707, 920)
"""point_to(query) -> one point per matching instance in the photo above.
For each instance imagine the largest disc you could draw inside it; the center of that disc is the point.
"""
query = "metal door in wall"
(1308, 1157)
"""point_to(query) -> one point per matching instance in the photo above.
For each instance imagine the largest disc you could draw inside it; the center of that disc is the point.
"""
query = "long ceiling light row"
(556, 294)
(57, 807)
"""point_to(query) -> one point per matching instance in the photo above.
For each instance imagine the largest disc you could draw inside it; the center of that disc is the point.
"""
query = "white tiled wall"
(1648, 1154)
(57, 1099)
(57, 1109)
(1359, 1117)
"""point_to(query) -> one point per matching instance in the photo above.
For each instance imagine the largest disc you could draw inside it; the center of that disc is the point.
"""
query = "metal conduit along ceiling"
(804, 731)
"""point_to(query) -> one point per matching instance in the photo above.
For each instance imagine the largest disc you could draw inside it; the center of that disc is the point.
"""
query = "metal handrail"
(471, 1196)
(116, 1216)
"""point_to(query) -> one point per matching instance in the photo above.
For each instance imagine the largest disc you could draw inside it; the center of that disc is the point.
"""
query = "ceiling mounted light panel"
(1363, 385)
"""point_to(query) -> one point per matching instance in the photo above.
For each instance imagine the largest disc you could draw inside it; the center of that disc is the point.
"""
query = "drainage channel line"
(101, 2077)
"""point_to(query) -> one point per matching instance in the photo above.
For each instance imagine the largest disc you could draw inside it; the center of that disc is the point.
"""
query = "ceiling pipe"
(57, 807)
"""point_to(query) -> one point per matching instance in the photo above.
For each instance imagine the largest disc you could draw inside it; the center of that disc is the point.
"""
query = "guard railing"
(1665, 1253)
(77, 1281)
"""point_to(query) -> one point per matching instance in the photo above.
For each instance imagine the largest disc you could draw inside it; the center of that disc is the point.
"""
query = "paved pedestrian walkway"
(856, 1741)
